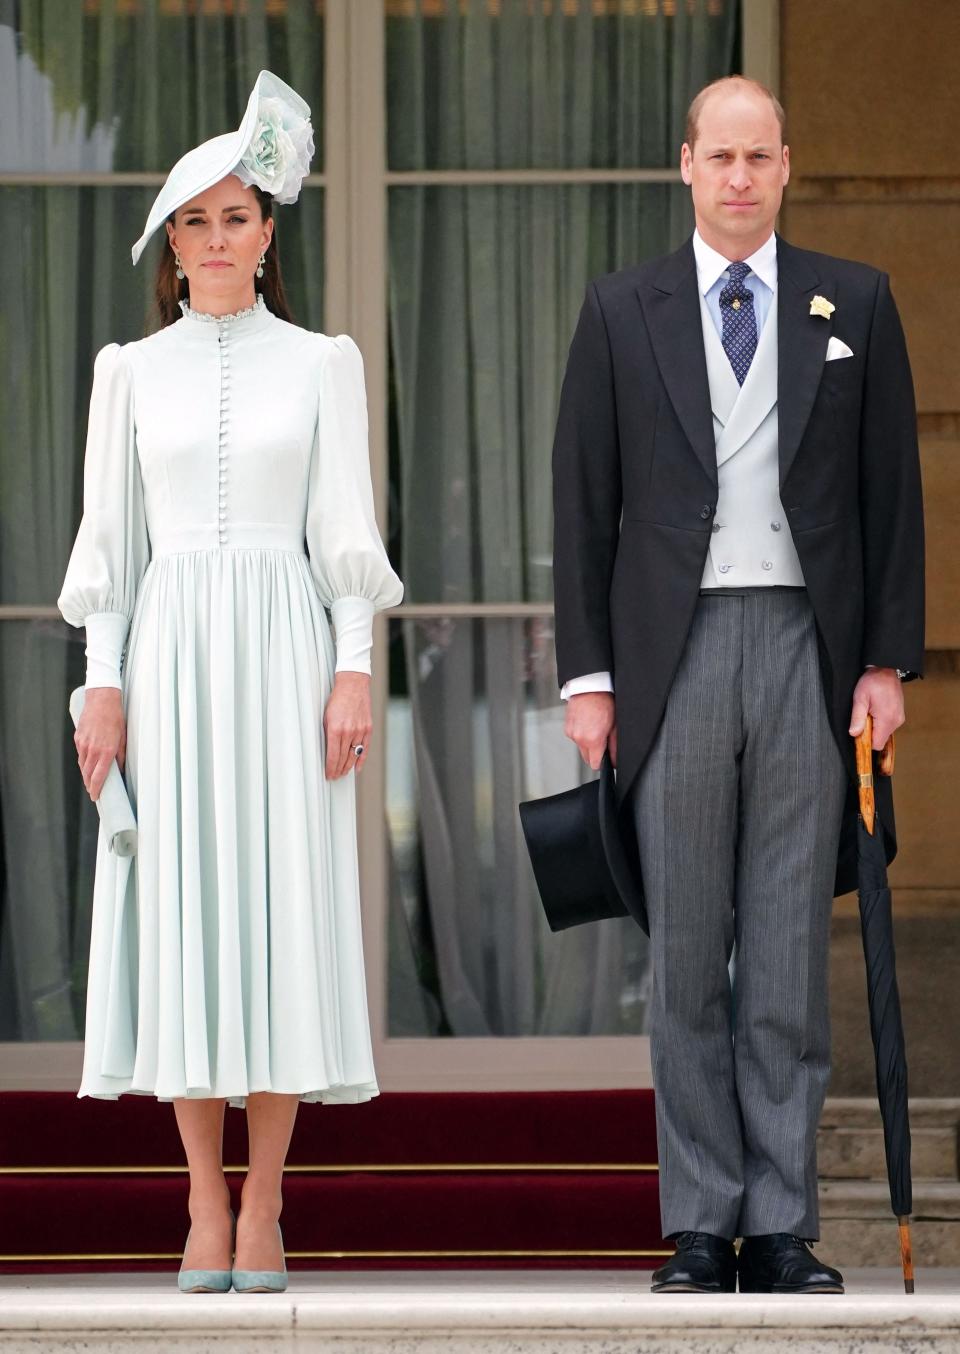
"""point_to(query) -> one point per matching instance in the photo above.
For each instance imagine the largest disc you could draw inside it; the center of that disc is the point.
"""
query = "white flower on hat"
(278, 157)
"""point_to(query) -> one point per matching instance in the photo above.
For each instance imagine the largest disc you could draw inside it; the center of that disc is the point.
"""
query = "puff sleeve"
(112, 548)
(347, 559)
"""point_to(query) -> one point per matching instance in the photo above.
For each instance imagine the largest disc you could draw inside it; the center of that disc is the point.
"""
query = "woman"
(227, 502)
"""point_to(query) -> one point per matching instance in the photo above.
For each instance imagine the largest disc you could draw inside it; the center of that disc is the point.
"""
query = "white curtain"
(485, 286)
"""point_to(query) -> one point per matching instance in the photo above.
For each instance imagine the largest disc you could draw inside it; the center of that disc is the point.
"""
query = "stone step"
(933, 1199)
(862, 1111)
(857, 1243)
(850, 1140)
(609, 1312)
(858, 1154)
(857, 1227)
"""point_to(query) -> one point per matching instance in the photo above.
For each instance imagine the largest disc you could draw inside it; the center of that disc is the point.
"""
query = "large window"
(97, 100)
(531, 146)
(477, 162)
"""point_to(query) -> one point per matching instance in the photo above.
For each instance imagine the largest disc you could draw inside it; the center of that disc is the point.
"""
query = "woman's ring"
(358, 750)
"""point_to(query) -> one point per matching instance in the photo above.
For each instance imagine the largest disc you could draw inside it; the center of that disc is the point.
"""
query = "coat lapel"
(724, 390)
(803, 340)
(671, 307)
(758, 392)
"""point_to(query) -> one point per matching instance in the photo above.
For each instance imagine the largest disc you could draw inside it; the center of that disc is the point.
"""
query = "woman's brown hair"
(170, 290)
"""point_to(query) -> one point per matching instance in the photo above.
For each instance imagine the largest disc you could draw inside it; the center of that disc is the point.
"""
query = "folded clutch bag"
(113, 805)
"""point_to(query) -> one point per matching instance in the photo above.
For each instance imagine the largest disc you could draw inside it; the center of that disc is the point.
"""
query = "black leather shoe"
(782, 1263)
(702, 1264)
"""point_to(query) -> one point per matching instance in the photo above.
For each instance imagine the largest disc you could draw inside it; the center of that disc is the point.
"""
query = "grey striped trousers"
(738, 812)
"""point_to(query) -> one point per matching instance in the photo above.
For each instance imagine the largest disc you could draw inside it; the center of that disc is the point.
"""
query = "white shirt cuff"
(106, 636)
(353, 627)
(579, 686)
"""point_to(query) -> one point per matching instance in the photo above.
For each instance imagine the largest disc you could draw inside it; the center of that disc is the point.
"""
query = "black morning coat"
(635, 490)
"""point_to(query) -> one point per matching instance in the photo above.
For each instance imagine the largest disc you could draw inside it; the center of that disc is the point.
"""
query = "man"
(739, 581)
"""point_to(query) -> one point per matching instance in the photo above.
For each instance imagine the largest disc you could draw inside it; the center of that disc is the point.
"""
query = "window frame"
(358, 187)
(356, 181)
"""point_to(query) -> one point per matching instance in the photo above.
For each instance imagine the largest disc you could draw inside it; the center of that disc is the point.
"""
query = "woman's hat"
(584, 868)
(271, 148)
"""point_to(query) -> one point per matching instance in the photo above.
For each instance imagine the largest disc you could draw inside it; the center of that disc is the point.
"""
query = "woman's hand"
(347, 722)
(101, 735)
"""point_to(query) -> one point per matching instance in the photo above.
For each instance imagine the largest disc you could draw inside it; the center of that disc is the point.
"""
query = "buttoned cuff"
(106, 636)
(579, 686)
(353, 627)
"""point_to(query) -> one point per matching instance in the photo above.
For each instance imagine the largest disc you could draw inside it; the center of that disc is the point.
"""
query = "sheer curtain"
(101, 86)
(486, 282)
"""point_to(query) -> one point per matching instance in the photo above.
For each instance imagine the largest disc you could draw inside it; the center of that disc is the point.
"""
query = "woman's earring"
(263, 259)
(180, 273)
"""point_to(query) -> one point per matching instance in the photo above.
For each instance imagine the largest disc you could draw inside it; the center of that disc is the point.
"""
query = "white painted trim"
(426, 178)
(547, 1064)
(535, 1064)
(336, 162)
(356, 179)
(357, 283)
(470, 611)
(102, 178)
(29, 613)
(40, 1066)
(761, 42)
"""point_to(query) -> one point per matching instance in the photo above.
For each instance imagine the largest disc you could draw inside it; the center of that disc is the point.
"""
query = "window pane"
(485, 287)
(520, 84)
(473, 728)
(69, 290)
(48, 836)
(110, 85)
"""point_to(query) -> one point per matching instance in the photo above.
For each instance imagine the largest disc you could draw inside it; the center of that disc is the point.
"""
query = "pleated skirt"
(226, 955)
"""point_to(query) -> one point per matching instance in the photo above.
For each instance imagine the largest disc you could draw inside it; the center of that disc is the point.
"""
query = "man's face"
(737, 170)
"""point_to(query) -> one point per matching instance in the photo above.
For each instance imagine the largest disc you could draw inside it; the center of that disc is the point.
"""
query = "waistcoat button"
(774, 526)
(706, 511)
(767, 564)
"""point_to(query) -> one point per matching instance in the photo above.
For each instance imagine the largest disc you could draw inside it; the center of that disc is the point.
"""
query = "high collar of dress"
(240, 322)
(711, 266)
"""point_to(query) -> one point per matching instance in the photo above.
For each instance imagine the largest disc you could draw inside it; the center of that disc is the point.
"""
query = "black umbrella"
(886, 1025)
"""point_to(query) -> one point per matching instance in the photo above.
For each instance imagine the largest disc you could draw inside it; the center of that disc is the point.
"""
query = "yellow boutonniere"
(821, 306)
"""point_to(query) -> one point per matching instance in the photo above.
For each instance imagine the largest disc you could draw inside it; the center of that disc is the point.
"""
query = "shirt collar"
(711, 266)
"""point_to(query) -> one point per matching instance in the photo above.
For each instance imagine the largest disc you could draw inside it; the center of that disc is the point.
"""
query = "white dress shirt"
(712, 276)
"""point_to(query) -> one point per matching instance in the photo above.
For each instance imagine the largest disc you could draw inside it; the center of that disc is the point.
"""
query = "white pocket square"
(837, 348)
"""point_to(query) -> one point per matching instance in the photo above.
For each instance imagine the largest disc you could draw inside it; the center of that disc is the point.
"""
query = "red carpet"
(544, 1179)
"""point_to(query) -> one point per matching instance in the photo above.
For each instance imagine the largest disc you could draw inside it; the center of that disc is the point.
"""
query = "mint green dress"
(227, 511)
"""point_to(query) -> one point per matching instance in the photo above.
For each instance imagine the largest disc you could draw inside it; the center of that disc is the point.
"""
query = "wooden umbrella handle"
(906, 1254)
(885, 761)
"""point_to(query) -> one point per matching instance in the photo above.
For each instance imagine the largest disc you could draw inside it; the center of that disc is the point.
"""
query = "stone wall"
(871, 93)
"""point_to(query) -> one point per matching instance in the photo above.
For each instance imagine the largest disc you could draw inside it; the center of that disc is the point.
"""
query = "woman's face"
(220, 236)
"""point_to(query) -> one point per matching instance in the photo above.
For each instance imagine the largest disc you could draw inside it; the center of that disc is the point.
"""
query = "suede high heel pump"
(206, 1280)
(262, 1280)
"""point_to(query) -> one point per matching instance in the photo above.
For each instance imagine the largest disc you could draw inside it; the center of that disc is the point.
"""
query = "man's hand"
(879, 693)
(591, 724)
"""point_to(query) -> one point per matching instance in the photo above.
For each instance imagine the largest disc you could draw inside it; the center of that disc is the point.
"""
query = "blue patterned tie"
(739, 321)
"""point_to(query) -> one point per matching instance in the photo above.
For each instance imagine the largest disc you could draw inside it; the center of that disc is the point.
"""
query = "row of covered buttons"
(223, 346)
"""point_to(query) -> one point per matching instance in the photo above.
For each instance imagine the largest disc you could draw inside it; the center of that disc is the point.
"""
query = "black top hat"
(583, 868)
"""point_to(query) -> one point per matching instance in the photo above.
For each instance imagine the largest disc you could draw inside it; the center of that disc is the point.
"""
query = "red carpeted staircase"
(465, 1180)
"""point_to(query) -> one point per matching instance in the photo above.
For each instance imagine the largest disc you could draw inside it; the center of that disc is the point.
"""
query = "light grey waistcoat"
(750, 545)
